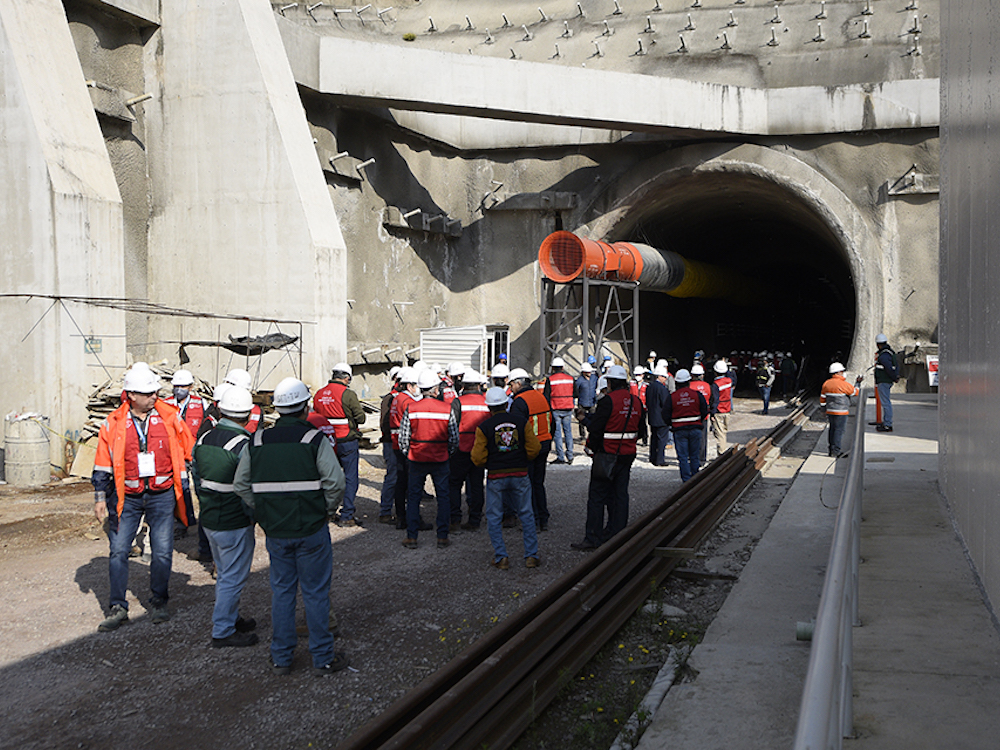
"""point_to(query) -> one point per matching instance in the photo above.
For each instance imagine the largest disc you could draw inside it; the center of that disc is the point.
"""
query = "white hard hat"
(652, 355)
(660, 372)
(141, 380)
(472, 377)
(697, 369)
(836, 367)
(500, 371)
(881, 339)
(290, 395)
(220, 390)
(639, 370)
(617, 372)
(419, 365)
(682, 376)
(456, 368)
(496, 396)
(721, 367)
(239, 377)
(140, 366)
(661, 363)
(586, 367)
(236, 402)
(408, 375)
(342, 367)
(427, 379)
(182, 378)
(519, 373)
(602, 383)
(394, 371)
(437, 367)
(558, 362)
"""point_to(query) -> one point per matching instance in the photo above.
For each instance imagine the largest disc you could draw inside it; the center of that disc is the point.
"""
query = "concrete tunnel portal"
(797, 290)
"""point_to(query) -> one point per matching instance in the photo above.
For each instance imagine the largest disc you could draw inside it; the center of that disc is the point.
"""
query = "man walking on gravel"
(291, 478)
(141, 452)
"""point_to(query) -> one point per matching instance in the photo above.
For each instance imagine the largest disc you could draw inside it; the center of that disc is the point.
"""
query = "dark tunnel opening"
(800, 291)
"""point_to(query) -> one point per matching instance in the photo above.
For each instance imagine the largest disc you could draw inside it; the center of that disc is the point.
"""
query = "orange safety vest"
(539, 413)
(622, 429)
(474, 413)
(329, 401)
(686, 408)
(400, 401)
(116, 453)
(428, 430)
(561, 388)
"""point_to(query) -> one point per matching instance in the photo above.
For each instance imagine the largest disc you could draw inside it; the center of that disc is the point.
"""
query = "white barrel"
(26, 451)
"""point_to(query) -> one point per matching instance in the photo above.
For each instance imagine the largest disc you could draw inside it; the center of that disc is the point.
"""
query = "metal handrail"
(826, 715)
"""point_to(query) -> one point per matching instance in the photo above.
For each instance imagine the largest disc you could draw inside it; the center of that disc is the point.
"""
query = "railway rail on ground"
(489, 694)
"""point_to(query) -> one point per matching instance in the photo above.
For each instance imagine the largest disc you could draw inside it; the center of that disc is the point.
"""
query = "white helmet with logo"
(290, 396)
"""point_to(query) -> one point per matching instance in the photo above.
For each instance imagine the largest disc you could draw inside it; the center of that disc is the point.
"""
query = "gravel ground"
(403, 612)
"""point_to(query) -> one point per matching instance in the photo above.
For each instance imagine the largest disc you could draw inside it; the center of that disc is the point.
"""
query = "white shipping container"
(474, 346)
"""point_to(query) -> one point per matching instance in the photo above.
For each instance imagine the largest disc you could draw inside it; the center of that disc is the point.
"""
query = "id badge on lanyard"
(147, 461)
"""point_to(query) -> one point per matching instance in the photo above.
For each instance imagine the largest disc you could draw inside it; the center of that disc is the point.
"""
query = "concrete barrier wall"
(970, 280)
(61, 220)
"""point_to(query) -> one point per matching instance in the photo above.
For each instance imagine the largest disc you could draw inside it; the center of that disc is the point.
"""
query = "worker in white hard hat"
(225, 520)
(428, 435)
(338, 403)
(615, 428)
(405, 395)
(720, 405)
(534, 407)
(290, 477)
(585, 391)
(699, 384)
(886, 374)
(688, 411)
(558, 390)
(388, 494)
(452, 382)
(836, 396)
(657, 397)
(504, 446)
(142, 450)
(462, 472)
(241, 378)
(499, 374)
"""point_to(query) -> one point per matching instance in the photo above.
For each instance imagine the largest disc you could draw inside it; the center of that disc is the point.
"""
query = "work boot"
(531, 562)
(236, 640)
(158, 613)
(245, 625)
(502, 564)
(114, 620)
(339, 662)
(387, 519)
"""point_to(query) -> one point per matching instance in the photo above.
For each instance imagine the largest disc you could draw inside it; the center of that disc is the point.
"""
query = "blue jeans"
(884, 400)
(158, 508)
(608, 496)
(515, 491)
(304, 563)
(418, 472)
(838, 423)
(389, 483)
(765, 394)
(347, 452)
(688, 445)
(233, 553)
(563, 421)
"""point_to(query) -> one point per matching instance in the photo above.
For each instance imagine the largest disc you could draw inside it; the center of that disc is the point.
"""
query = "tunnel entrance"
(800, 291)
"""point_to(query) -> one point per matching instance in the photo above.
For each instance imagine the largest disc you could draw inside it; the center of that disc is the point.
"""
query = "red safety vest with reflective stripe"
(561, 388)
(474, 413)
(539, 413)
(622, 429)
(705, 389)
(638, 388)
(254, 422)
(428, 430)
(329, 401)
(193, 412)
(686, 408)
(725, 385)
(400, 401)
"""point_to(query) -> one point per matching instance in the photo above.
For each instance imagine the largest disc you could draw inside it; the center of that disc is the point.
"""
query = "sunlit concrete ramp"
(927, 654)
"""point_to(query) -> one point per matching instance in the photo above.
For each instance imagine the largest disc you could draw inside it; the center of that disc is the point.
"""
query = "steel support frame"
(614, 321)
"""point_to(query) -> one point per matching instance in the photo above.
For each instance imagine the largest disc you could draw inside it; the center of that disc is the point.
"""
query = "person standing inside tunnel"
(705, 389)
(687, 413)
(657, 397)
(886, 374)
(835, 396)
(765, 379)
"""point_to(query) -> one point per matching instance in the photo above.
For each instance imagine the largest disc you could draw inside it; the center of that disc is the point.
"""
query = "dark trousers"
(838, 423)
(536, 473)
(608, 498)
(417, 474)
(463, 471)
(402, 484)
(658, 435)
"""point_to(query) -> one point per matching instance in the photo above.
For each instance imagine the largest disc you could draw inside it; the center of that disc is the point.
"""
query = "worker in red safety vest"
(720, 405)
(338, 403)
(705, 389)
(142, 450)
(428, 435)
(534, 407)
(462, 471)
(614, 429)
(558, 391)
(402, 398)
(687, 411)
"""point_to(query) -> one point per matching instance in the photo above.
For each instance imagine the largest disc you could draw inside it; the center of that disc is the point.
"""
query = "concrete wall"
(970, 280)
(61, 218)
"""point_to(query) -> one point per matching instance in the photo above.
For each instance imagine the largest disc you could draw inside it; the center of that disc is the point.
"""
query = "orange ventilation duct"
(564, 257)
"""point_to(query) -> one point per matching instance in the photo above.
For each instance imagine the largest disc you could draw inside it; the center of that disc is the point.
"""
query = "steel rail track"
(489, 694)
